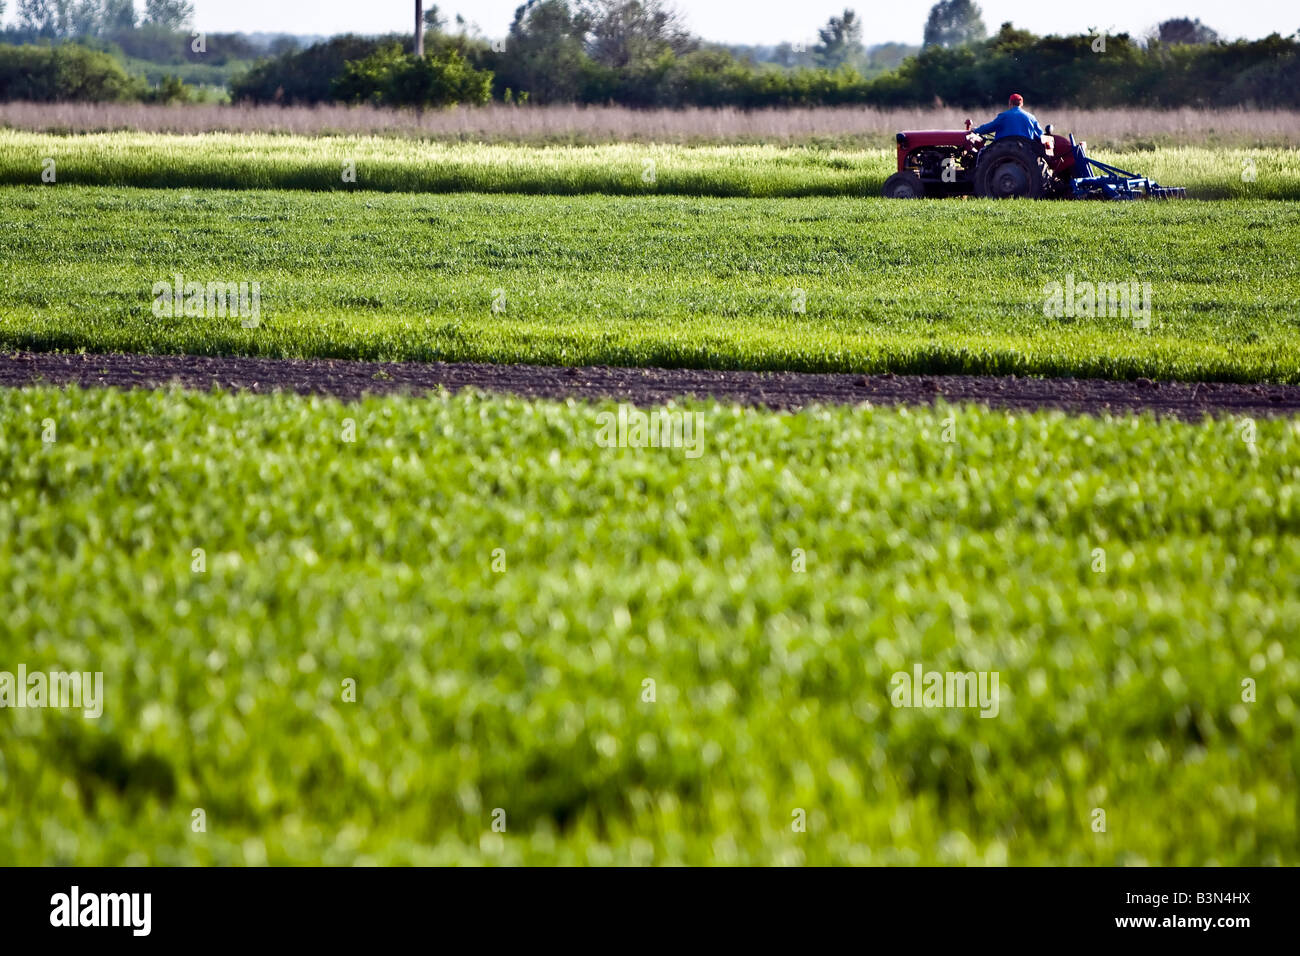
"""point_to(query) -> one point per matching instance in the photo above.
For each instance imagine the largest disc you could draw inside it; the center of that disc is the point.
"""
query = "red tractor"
(942, 163)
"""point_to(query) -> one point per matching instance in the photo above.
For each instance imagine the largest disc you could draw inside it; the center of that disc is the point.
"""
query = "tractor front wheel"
(1012, 169)
(903, 186)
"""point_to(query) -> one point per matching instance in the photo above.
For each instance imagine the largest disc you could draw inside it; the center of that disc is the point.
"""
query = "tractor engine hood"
(932, 137)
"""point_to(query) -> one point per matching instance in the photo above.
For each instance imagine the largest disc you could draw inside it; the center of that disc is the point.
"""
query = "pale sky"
(760, 21)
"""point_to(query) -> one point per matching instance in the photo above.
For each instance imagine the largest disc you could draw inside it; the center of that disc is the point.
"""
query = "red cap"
(1016, 99)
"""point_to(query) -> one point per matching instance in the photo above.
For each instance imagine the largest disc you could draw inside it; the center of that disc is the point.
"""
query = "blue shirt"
(1014, 122)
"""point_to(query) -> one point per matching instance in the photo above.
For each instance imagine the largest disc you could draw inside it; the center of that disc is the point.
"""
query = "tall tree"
(86, 18)
(49, 18)
(172, 14)
(629, 33)
(840, 40)
(117, 14)
(1183, 30)
(954, 23)
(545, 51)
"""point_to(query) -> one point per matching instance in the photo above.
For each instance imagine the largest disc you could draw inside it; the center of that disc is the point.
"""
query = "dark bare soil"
(646, 386)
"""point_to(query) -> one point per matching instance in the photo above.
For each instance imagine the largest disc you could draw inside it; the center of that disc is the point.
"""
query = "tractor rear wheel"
(903, 186)
(1012, 169)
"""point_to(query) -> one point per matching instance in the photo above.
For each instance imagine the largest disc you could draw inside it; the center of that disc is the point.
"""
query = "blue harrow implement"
(1103, 181)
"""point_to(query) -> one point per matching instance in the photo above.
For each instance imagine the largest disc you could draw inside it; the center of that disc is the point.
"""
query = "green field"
(522, 688)
(500, 588)
(661, 280)
(265, 161)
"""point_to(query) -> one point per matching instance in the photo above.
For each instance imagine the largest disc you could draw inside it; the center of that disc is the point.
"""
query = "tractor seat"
(1042, 146)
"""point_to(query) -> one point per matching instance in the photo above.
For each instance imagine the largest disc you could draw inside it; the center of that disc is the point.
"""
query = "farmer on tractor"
(1012, 122)
(1021, 160)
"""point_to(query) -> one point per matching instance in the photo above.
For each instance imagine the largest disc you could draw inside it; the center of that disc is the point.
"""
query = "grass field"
(262, 161)
(522, 689)
(501, 588)
(660, 280)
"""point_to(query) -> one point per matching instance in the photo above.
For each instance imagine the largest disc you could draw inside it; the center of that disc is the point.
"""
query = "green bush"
(305, 77)
(391, 77)
(170, 89)
(69, 72)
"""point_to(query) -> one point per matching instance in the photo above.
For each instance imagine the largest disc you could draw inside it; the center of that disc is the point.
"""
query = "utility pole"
(419, 27)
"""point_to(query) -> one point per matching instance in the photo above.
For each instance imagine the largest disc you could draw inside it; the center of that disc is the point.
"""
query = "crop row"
(640, 654)
(369, 163)
(1163, 290)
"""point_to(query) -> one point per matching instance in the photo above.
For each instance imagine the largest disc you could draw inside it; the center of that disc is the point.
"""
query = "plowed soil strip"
(645, 386)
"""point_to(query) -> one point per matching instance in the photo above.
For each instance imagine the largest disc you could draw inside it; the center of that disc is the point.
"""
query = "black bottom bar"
(333, 907)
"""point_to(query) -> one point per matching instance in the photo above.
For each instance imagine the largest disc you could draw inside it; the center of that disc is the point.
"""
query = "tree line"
(158, 31)
(57, 19)
(110, 50)
(639, 53)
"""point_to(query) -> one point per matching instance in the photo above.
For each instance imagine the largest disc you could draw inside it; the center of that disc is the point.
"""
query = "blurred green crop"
(927, 287)
(267, 161)
(523, 688)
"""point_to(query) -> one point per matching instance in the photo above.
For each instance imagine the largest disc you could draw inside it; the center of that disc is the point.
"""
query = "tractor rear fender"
(1060, 155)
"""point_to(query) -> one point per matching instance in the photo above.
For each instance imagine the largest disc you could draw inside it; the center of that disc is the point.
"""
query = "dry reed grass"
(606, 124)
